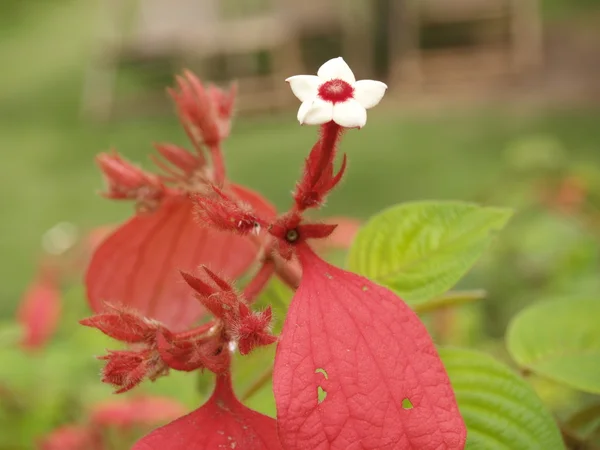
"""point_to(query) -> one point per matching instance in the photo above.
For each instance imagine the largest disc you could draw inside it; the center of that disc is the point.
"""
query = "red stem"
(193, 140)
(224, 389)
(287, 273)
(259, 281)
(194, 332)
(218, 164)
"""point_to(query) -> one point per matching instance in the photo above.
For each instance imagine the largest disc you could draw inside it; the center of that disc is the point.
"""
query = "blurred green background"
(498, 152)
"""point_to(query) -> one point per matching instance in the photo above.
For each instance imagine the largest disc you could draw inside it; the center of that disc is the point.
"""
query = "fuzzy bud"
(124, 326)
(126, 181)
(253, 330)
(224, 213)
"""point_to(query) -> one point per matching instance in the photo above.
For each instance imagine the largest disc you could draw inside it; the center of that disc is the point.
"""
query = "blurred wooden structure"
(478, 41)
(261, 42)
(234, 34)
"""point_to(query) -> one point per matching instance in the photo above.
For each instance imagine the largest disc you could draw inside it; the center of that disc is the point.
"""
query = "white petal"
(315, 112)
(305, 87)
(303, 110)
(350, 114)
(369, 92)
(336, 68)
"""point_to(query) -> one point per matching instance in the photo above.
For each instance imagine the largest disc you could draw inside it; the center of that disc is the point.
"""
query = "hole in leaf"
(321, 394)
(324, 372)
(365, 288)
(407, 404)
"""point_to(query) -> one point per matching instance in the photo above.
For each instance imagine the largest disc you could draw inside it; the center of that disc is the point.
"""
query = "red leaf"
(222, 422)
(138, 265)
(368, 352)
(136, 411)
(39, 311)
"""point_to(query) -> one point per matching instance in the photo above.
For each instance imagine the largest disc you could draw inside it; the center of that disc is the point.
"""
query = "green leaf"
(420, 250)
(500, 409)
(559, 339)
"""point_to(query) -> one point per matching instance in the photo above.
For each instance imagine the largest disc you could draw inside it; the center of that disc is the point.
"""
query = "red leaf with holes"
(138, 265)
(222, 422)
(39, 311)
(360, 346)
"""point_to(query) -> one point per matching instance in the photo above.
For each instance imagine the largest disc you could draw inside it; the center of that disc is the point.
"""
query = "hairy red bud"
(180, 158)
(253, 330)
(222, 301)
(126, 181)
(192, 353)
(195, 107)
(124, 326)
(224, 213)
(126, 369)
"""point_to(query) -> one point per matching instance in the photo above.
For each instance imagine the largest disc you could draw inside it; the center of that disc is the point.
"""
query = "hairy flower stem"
(330, 135)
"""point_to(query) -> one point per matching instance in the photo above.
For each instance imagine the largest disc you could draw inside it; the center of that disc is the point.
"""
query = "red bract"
(137, 411)
(138, 265)
(39, 311)
(384, 384)
(222, 422)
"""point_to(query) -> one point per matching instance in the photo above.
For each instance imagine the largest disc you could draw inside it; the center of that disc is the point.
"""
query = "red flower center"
(336, 91)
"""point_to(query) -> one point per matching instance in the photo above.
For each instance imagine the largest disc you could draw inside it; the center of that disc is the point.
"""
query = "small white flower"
(334, 94)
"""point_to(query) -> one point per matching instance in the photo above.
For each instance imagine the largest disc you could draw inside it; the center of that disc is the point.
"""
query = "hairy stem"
(203, 330)
(218, 164)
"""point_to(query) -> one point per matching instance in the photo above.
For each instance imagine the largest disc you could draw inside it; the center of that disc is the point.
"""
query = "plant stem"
(218, 164)
(259, 281)
(258, 384)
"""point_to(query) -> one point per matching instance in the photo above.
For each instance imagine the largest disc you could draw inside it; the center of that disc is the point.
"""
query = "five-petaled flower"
(334, 94)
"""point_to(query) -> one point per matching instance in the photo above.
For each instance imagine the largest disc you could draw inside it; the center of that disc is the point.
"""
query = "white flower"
(334, 94)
